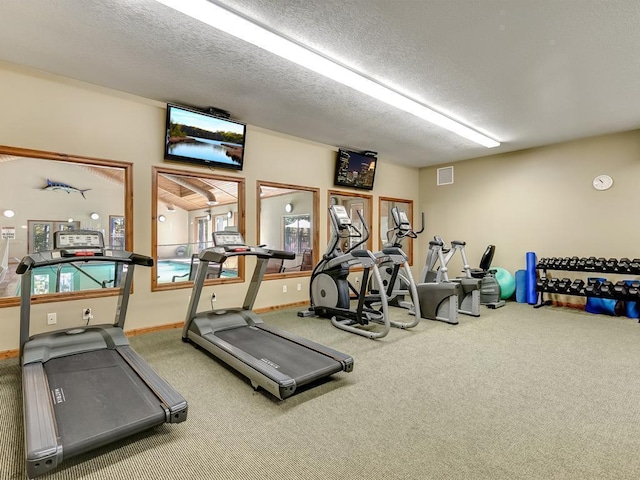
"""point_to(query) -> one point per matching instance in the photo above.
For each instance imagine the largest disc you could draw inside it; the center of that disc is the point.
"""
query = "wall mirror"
(352, 203)
(187, 208)
(288, 220)
(43, 192)
(386, 224)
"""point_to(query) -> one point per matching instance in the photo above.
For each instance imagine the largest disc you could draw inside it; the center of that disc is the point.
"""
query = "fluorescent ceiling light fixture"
(238, 26)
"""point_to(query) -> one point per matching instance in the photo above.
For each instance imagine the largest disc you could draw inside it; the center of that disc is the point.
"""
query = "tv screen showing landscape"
(203, 139)
(355, 170)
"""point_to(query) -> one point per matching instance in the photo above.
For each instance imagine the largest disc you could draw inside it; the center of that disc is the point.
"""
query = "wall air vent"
(445, 176)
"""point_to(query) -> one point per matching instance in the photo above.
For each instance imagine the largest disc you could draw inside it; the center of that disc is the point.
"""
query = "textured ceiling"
(528, 73)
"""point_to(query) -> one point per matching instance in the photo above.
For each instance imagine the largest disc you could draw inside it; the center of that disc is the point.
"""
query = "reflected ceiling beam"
(115, 175)
(165, 198)
(230, 189)
(183, 182)
(168, 191)
(267, 191)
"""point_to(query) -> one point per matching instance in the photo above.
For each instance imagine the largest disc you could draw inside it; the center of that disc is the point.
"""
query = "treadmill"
(85, 387)
(271, 358)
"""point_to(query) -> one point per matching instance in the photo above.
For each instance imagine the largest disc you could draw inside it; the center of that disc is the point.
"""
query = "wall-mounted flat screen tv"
(353, 169)
(201, 138)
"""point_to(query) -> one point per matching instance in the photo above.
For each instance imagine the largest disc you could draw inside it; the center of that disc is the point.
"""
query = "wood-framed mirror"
(288, 220)
(42, 192)
(352, 203)
(385, 222)
(187, 208)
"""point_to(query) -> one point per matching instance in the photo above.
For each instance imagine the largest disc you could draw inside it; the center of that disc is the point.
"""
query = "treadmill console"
(230, 241)
(78, 243)
(341, 215)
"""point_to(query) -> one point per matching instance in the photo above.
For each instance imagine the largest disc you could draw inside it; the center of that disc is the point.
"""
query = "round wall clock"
(602, 182)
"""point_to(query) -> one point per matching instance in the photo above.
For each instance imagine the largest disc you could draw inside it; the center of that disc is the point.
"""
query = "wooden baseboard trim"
(577, 306)
(141, 331)
(9, 354)
(275, 308)
(158, 328)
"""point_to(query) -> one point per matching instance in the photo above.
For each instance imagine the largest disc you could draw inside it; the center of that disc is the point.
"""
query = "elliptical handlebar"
(402, 227)
(422, 223)
(364, 237)
(342, 223)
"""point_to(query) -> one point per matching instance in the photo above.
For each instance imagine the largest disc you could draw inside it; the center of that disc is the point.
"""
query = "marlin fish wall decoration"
(63, 186)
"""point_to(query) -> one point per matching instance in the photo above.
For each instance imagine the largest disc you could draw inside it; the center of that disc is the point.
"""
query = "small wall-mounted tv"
(354, 169)
(203, 138)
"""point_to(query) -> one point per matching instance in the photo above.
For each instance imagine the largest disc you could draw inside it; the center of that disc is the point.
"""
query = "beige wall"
(46, 112)
(536, 200)
(539, 200)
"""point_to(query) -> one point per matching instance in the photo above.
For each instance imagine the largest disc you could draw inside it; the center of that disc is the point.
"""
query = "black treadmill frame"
(45, 448)
(200, 328)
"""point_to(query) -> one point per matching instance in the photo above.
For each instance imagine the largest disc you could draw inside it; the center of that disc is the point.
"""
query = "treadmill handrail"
(220, 254)
(49, 258)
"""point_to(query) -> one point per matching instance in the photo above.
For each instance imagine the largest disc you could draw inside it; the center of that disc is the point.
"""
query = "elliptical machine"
(469, 286)
(397, 285)
(329, 288)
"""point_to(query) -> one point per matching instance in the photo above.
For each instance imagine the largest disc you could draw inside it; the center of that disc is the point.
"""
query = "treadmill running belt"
(98, 398)
(296, 361)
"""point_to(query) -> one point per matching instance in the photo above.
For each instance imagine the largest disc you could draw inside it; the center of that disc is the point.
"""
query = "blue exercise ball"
(506, 281)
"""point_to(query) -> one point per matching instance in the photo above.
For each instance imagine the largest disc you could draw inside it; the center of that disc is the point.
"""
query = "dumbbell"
(593, 287)
(573, 263)
(551, 284)
(589, 263)
(624, 265)
(555, 285)
(611, 265)
(564, 263)
(580, 264)
(598, 264)
(606, 289)
(634, 288)
(621, 289)
(576, 287)
(541, 284)
(634, 266)
(563, 285)
(542, 263)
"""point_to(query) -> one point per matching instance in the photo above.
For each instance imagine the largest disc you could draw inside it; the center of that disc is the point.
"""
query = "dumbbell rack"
(621, 290)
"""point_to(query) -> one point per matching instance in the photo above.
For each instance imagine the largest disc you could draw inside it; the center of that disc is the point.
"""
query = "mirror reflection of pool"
(177, 270)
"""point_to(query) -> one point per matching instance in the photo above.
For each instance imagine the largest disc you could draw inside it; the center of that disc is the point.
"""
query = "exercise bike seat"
(485, 263)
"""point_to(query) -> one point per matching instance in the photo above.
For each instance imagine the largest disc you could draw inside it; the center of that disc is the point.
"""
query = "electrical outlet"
(357, 279)
(213, 297)
(299, 287)
(52, 318)
(87, 315)
(284, 289)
